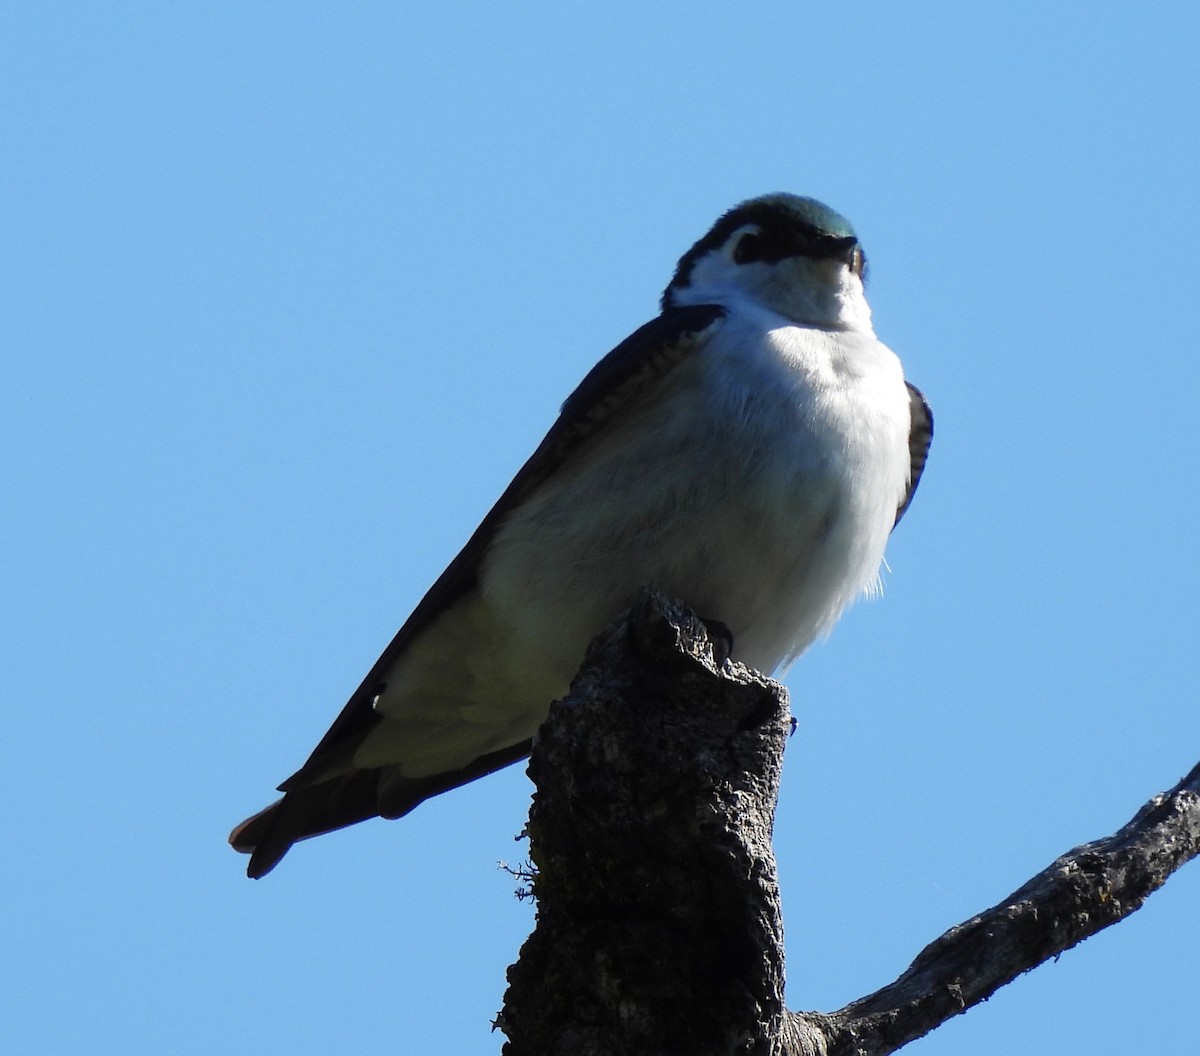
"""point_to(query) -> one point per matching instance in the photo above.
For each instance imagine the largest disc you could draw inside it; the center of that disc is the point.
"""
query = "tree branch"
(658, 925)
(1079, 894)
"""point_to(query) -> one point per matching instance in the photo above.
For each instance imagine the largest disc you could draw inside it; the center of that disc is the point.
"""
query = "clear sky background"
(291, 290)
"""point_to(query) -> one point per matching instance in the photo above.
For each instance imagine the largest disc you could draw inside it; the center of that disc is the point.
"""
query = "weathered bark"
(658, 925)
(658, 909)
(1079, 894)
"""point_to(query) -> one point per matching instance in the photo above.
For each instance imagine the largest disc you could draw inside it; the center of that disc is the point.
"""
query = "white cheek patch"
(822, 293)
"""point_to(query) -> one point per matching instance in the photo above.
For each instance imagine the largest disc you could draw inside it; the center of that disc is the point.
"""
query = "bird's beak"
(830, 247)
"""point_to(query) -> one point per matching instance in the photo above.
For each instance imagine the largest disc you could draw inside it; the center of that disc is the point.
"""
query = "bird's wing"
(920, 436)
(317, 798)
(648, 354)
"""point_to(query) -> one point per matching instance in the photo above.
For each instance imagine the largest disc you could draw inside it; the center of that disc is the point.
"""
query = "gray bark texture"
(658, 925)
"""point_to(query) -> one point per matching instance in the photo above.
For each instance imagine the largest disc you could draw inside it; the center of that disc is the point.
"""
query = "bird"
(748, 451)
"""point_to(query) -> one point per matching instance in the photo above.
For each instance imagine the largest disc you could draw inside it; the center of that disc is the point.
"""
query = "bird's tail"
(304, 812)
(310, 807)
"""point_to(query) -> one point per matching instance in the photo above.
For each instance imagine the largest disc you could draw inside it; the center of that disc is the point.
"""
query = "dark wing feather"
(639, 361)
(920, 436)
(345, 800)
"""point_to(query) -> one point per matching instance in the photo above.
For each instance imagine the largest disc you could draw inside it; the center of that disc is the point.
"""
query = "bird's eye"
(748, 249)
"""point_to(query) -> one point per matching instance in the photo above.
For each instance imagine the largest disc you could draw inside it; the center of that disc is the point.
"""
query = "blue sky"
(290, 291)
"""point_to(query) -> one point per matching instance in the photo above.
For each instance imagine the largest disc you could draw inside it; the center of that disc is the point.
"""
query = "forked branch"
(658, 924)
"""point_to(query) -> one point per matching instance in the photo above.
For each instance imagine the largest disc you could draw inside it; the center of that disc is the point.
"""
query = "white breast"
(758, 485)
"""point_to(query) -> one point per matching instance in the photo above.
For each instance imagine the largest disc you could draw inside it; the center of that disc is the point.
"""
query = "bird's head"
(792, 255)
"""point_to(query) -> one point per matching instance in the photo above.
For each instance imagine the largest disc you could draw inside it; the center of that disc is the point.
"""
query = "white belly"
(759, 488)
(758, 485)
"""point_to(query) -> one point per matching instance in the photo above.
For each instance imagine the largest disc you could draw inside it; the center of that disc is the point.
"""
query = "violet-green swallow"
(747, 452)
